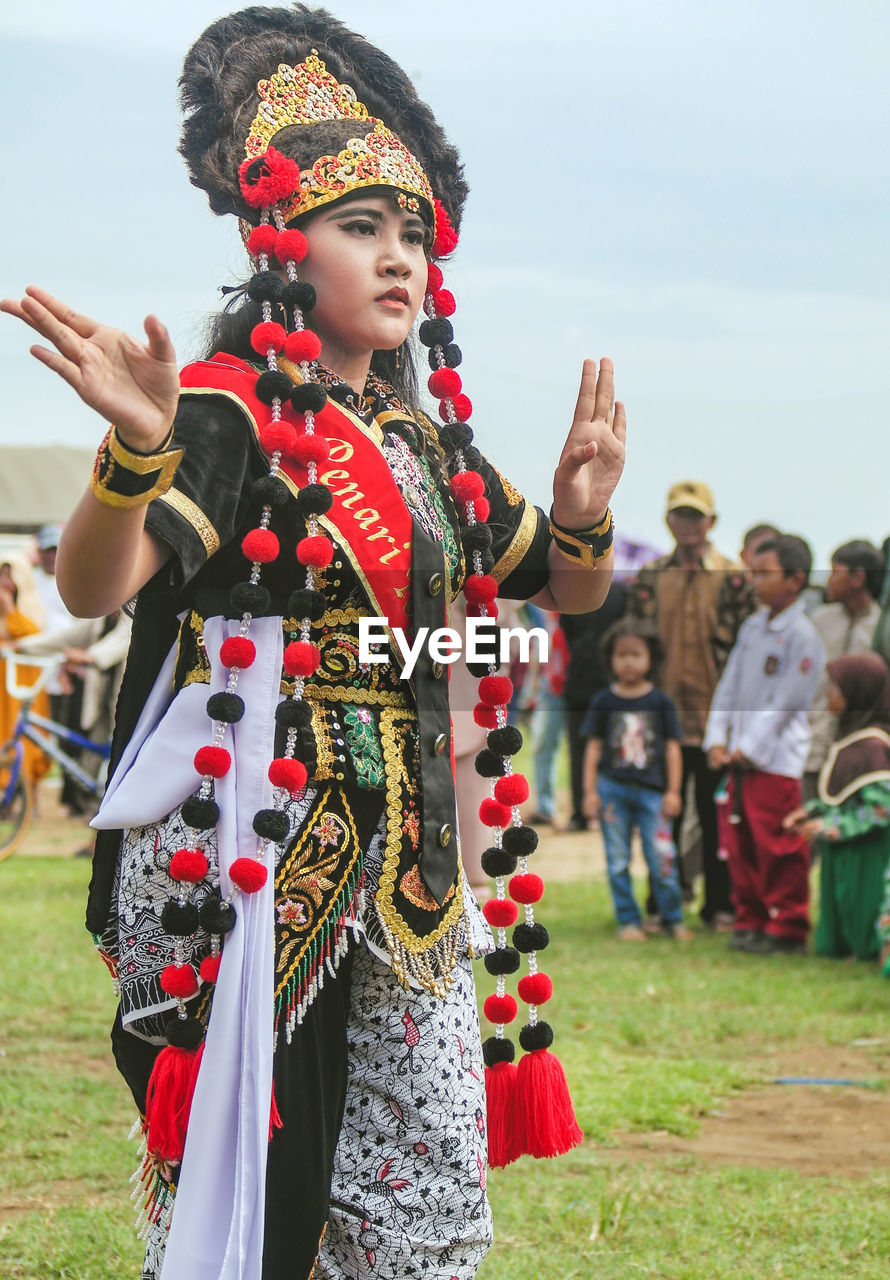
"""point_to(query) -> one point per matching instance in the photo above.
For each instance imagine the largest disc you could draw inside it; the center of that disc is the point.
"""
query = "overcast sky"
(699, 190)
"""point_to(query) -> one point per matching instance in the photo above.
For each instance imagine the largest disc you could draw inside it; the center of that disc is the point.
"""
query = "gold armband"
(584, 546)
(125, 479)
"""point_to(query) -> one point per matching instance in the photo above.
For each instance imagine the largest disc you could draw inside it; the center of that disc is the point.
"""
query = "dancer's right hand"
(135, 386)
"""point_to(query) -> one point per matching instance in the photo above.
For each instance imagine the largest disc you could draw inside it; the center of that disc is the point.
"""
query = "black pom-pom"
(227, 707)
(183, 1033)
(217, 916)
(496, 1050)
(479, 669)
(299, 293)
(311, 397)
(179, 919)
(436, 331)
(291, 714)
(521, 841)
(304, 603)
(506, 741)
(488, 765)
(486, 561)
(272, 385)
(452, 355)
(504, 960)
(271, 491)
(200, 813)
(530, 937)
(498, 862)
(475, 537)
(247, 597)
(457, 435)
(314, 500)
(271, 824)
(265, 286)
(539, 1036)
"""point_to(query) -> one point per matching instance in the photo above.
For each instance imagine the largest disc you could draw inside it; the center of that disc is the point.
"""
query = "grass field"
(656, 1040)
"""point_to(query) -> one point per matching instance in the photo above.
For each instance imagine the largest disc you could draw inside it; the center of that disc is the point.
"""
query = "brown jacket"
(698, 613)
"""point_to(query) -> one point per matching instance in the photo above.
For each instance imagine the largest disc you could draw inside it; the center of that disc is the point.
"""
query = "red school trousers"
(769, 867)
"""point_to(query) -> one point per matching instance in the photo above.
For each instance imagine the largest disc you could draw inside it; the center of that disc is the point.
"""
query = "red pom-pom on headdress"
(445, 382)
(268, 178)
(304, 346)
(434, 278)
(267, 334)
(291, 246)
(445, 239)
(262, 239)
(444, 303)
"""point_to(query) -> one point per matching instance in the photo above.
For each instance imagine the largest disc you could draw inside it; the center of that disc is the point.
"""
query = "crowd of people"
(747, 693)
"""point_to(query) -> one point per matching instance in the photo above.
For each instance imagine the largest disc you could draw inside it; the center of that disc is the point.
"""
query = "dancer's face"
(367, 263)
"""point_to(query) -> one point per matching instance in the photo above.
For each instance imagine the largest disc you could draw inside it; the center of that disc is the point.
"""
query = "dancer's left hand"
(592, 458)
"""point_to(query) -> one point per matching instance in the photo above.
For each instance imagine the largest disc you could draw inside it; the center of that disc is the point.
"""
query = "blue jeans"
(548, 724)
(626, 805)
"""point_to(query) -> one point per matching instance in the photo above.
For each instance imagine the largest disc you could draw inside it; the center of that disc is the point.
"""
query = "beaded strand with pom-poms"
(529, 1111)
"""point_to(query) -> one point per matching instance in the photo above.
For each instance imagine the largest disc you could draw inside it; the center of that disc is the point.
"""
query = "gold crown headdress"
(309, 94)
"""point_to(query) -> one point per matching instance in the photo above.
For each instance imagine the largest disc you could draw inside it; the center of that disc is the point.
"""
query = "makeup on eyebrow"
(354, 211)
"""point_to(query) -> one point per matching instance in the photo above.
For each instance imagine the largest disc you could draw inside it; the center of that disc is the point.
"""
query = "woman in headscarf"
(851, 814)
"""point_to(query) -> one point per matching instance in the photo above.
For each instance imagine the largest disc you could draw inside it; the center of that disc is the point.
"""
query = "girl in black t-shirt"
(632, 773)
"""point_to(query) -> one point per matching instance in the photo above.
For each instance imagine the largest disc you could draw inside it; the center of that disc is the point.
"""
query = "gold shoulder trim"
(522, 540)
(191, 512)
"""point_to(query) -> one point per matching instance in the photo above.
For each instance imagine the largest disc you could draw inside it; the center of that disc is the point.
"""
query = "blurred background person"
(21, 615)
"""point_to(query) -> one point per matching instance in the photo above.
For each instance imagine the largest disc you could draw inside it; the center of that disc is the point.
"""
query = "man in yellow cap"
(698, 599)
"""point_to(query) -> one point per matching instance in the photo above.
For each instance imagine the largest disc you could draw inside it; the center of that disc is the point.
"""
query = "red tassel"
(275, 1120)
(169, 1100)
(503, 1140)
(544, 1115)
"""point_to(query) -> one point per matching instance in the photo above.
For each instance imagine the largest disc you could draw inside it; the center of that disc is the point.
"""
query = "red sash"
(369, 518)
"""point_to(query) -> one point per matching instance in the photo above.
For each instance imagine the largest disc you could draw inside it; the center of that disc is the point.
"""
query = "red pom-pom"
(291, 246)
(493, 814)
(209, 969)
(434, 278)
(445, 382)
(480, 588)
(189, 865)
(179, 981)
(278, 437)
(444, 303)
(248, 874)
(495, 691)
(500, 913)
(475, 610)
(445, 239)
(302, 347)
(214, 761)
(266, 334)
(237, 651)
(262, 239)
(467, 486)
(511, 790)
(261, 545)
(317, 552)
(535, 988)
(268, 178)
(301, 658)
(499, 1009)
(481, 511)
(526, 888)
(462, 406)
(503, 1141)
(485, 716)
(289, 774)
(311, 448)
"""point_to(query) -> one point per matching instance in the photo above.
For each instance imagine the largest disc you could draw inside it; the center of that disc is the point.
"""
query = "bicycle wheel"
(15, 811)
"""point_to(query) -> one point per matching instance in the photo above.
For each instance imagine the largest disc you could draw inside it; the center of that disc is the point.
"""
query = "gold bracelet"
(585, 546)
(124, 479)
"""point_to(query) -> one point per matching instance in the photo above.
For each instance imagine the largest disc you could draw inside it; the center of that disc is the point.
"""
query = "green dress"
(855, 847)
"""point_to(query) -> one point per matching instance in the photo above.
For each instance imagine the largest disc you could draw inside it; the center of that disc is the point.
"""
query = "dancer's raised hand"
(133, 385)
(592, 458)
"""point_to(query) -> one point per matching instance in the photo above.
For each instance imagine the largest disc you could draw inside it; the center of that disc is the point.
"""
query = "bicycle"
(16, 792)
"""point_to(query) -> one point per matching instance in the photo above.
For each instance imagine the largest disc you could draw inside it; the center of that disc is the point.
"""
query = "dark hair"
(638, 629)
(793, 554)
(758, 531)
(864, 555)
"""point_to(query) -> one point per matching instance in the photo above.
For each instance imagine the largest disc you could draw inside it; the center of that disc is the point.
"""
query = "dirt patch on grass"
(65, 1193)
(815, 1129)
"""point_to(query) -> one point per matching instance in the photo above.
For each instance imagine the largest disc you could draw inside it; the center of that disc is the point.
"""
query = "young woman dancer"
(277, 885)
